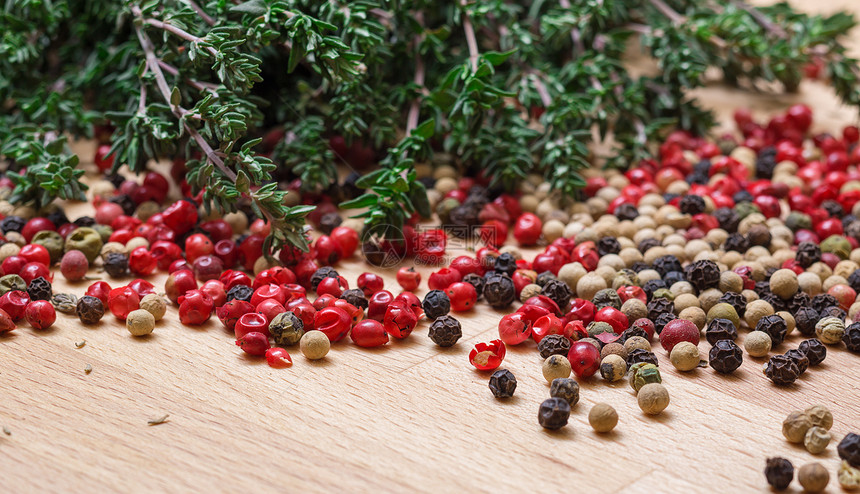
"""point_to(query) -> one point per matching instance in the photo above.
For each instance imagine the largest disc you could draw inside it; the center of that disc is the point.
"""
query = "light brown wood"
(406, 417)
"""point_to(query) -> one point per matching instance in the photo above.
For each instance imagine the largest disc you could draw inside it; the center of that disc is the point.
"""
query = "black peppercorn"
(721, 329)
(126, 203)
(558, 291)
(436, 304)
(854, 280)
(85, 221)
(799, 358)
(774, 300)
(805, 319)
(833, 208)
(505, 263)
(765, 163)
(319, 274)
(639, 266)
(608, 245)
(725, 356)
(814, 350)
(503, 383)
(553, 413)
(737, 243)
(476, 281)
(808, 254)
(662, 320)
(640, 355)
(673, 277)
(703, 274)
(834, 311)
(659, 306)
(445, 331)
(329, 222)
(116, 179)
(240, 292)
(759, 235)
(57, 217)
(544, 278)
(116, 265)
(566, 389)
(631, 332)
(553, 344)
(849, 449)
(499, 291)
(851, 338)
(40, 289)
(647, 244)
(823, 301)
(782, 370)
(626, 211)
(774, 326)
(355, 297)
(666, 264)
(736, 300)
(779, 473)
(12, 224)
(89, 309)
(796, 302)
(728, 219)
(692, 205)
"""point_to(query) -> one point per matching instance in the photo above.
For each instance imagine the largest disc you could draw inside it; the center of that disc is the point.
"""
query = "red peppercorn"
(408, 278)
(271, 291)
(251, 322)
(142, 262)
(646, 325)
(413, 302)
(228, 252)
(123, 300)
(99, 290)
(332, 286)
(430, 246)
(493, 233)
(399, 320)
(278, 358)
(487, 356)
(545, 302)
(369, 334)
(198, 245)
(251, 249)
(466, 265)
(334, 322)
(254, 344)
(195, 307)
(215, 290)
(40, 314)
(356, 314)
(443, 278)
(107, 212)
(35, 253)
(102, 158)
(584, 359)
(14, 303)
(142, 287)
(270, 308)
(6, 322)
(181, 216)
(304, 270)
(378, 303)
(545, 326)
(232, 278)
(207, 267)
(514, 328)
(527, 229)
(13, 264)
(74, 265)
(370, 283)
(33, 270)
(278, 275)
(178, 283)
(326, 251)
(463, 296)
(217, 230)
(35, 226)
(347, 240)
(676, 331)
(844, 294)
(613, 317)
(293, 291)
(165, 253)
(230, 312)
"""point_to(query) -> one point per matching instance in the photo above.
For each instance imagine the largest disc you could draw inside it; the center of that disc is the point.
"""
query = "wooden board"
(406, 417)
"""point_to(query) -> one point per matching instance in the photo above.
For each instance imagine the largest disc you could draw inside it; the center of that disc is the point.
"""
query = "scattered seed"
(88, 369)
(7, 431)
(65, 302)
(80, 344)
(158, 421)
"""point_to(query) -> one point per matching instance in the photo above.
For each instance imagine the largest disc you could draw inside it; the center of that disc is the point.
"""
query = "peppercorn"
(725, 356)
(505, 263)
(759, 235)
(329, 222)
(11, 283)
(553, 413)
(286, 329)
(476, 281)
(12, 224)
(636, 342)
(658, 307)
(805, 319)
(86, 240)
(499, 291)
(666, 264)
(608, 245)
(851, 338)
(820, 416)
(774, 326)
(445, 331)
(758, 344)
(721, 329)
(779, 473)
(662, 320)
(634, 331)
(116, 265)
(39, 289)
(799, 358)
(140, 322)
(602, 417)
(692, 205)
(736, 242)
(319, 274)
(125, 202)
(356, 297)
(816, 439)
(529, 291)
(89, 309)
(240, 292)
(703, 274)
(503, 383)
(849, 477)
(736, 300)
(653, 398)
(849, 449)
(651, 286)
(799, 301)
(626, 211)
(639, 355)
(52, 241)
(566, 389)
(823, 301)
(436, 304)
(613, 367)
(614, 348)
(646, 244)
(559, 292)
(556, 366)
(154, 304)
(830, 330)
(642, 374)
(553, 344)
(728, 219)
(781, 370)
(813, 477)
(685, 356)
(545, 277)
(673, 277)
(807, 254)
(314, 345)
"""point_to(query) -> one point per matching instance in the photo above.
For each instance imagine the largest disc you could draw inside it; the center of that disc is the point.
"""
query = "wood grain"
(408, 417)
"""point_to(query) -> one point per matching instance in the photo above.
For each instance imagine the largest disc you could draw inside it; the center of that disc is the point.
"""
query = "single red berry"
(332, 286)
(378, 304)
(232, 278)
(334, 322)
(278, 358)
(514, 329)
(304, 311)
(463, 296)
(532, 313)
(40, 314)
(198, 245)
(35, 253)
(545, 302)
(369, 334)
(575, 330)
(228, 252)
(676, 331)
(584, 358)
(844, 294)
(270, 308)
(178, 283)
(326, 250)
(527, 229)
(294, 291)
(13, 264)
(356, 314)
(230, 312)
(102, 158)
(123, 300)
(250, 250)
(217, 230)
(614, 317)
(195, 307)
(412, 301)
(443, 278)
(99, 290)
(370, 283)
(347, 239)
(165, 253)
(35, 226)
(304, 269)
(408, 278)
(6, 322)
(271, 291)
(254, 344)
(430, 246)
(107, 212)
(399, 320)
(74, 265)
(487, 356)
(207, 267)
(277, 275)
(181, 216)
(545, 326)
(465, 265)
(14, 303)
(493, 233)
(33, 270)
(215, 290)
(251, 322)
(646, 325)
(141, 262)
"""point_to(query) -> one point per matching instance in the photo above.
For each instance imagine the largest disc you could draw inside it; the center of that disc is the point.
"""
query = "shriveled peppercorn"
(558, 291)
(646, 244)
(12, 283)
(40, 289)
(808, 254)
(662, 320)
(692, 204)
(499, 291)
(779, 473)
(565, 388)
(329, 222)
(673, 277)
(553, 413)
(605, 298)
(608, 245)
(799, 358)
(833, 311)
(823, 301)
(639, 355)
(116, 264)
(89, 309)
(445, 331)
(849, 449)
(666, 264)
(476, 281)
(851, 338)
(781, 370)
(626, 211)
(736, 242)
(125, 202)
(631, 332)
(658, 307)
(544, 278)
(503, 383)
(355, 297)
(553, 344)
(728, 219)
(736, 300)
(721, 329)
(798, 301)
(814, 350)
(703, 274)
(240, 292)
(805, 319)
(725, 356)
(505, 263)
(774, 326)
(12, 224)
(319, 274)
(651, 286)
(436, 304)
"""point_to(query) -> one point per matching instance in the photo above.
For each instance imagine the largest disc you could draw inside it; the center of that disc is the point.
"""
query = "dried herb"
(65, 302)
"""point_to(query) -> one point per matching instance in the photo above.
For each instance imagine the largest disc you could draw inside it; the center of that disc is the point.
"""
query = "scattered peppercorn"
(685, 356)
(813, 477)
(154, 304)
(140, 322)
(613, 367)
(356, 297)
(602, 417)
(774, 326)
(436, 304)
(805, 319)
(566, 389)
(642, 374)
(556, 367)
(779, 473)
(830, 330)
(476, 281)
(820, 416)
(851, 338)
(65, 302)
(503, 383)
(553, 344)
(116, 265)
(553, 413)
(849, 477)
(319, 274)
(781, 370)
(640, 355)
(499, 291)
(89, 309)
(286, 329)
(40, 289)
(721, 329)
(816, 439)
(240, 292)
(445, 331)
(725, 356)
(849, 449)
(314, 345)
(653, 398)
(505, 263)
(799, 358)
(814, 350)
(757, 344)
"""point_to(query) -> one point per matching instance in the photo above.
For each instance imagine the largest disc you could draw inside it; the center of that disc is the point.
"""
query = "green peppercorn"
(104, 232)
(86, 240)
(52, 241)
(286, 329)
(11, 283)
(642, 374)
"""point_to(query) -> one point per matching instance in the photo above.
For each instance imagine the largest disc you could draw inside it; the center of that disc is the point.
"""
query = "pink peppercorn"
(99, 290)
(271, 291)
(230, 312)
(255, 344)
(195, 307)
(676, 331)
(123, 300)
(35, 253)
(40, 314)
(33, 270)
(369, 334)
(6, 322)
(14, 303)
(250, 323)
(215, 289)
(270, 308)
(142, 287)
(584, 359)
(74, 265)
(278, 358)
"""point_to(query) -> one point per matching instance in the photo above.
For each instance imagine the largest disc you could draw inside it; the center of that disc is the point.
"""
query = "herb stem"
(202, 13)
(198, 85)
(170, 28)
(760, 19)
(471, 41)
(418, 79)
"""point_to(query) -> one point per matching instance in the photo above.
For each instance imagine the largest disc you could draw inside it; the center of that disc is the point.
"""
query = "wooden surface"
(406, 417)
